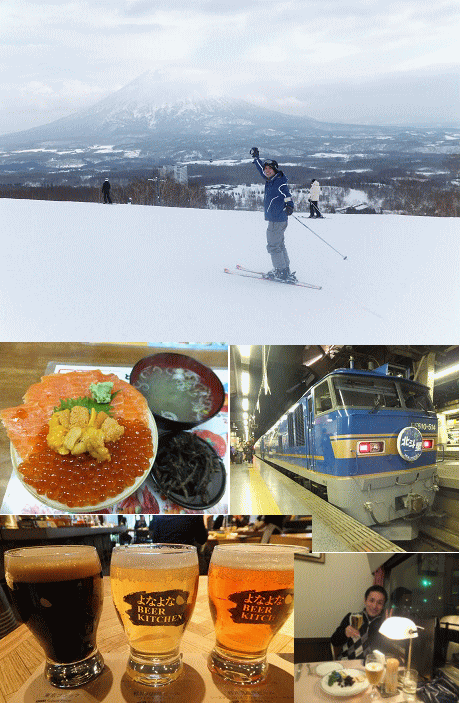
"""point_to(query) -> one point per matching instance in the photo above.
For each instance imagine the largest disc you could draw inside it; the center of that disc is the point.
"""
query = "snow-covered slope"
(90, 272)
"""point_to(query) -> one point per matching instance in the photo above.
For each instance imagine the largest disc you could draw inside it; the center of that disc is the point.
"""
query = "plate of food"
(82, 441)
(326, 668)
(189, 471)
(342, 683)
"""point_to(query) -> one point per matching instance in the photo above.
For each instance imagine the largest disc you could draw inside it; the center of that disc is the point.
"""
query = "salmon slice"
(24, 422)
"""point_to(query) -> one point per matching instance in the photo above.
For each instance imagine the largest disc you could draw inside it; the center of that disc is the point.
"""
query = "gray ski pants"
(275, 244)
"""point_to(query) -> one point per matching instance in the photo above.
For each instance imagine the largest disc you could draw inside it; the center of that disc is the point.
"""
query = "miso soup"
(175, 393)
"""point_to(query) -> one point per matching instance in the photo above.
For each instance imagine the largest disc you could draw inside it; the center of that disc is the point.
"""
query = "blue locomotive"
(366, 442)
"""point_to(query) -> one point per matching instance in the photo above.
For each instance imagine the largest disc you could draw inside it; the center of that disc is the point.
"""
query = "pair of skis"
(248, 273)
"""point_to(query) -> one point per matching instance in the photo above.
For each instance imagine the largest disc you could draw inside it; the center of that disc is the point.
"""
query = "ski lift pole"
(317, 235)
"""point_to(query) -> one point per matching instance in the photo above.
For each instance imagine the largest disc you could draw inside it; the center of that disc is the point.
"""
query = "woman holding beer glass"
(57, 592)
(154, 589)
(251, 595)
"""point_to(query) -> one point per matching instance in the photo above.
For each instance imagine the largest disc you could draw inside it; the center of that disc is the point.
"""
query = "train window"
(299, 426)
(290, 425)
(366, 392)
(416, 398)
(323, 401)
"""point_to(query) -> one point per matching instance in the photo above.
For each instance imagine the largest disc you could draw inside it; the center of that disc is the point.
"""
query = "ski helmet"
(272, 164)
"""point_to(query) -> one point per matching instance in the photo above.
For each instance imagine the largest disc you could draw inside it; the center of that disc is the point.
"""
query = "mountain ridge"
(144, 125)
(138, 113)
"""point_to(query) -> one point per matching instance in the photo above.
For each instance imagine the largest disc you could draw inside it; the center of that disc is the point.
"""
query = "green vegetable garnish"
(333, 677)
(97, 400)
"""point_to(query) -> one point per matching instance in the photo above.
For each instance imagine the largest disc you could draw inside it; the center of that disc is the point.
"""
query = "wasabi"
(102, 392)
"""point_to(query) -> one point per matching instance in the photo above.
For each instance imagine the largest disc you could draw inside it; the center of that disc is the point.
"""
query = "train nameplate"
(410, 443)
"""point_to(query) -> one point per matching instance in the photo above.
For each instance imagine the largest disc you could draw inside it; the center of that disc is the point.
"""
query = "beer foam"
(164, 556)
(58, 563)
(255, 556)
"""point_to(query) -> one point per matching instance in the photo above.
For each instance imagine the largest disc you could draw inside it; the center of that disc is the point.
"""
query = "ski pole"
(317, 209)
(317, 235)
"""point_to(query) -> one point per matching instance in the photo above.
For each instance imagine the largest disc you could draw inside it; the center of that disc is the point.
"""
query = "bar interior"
(235, 539)
(389, 621)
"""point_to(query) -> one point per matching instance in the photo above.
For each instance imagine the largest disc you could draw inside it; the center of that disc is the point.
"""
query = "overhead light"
(245, 416)
(245, 403)
(314, 360)
(446, 372)
(245, 352)
(244, 382)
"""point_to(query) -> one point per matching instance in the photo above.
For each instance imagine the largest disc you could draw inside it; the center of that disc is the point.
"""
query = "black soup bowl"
(181, 392)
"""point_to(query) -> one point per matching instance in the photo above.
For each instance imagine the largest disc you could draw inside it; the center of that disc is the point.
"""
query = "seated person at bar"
(401, 599)
(350, 643)
(181, 529)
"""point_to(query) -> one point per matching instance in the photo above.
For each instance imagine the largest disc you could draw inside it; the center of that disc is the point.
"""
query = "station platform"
(448, 473)
(445, 526)
(258, 489)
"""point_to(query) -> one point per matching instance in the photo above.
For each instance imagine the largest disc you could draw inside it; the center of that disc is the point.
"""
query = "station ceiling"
(289, 370)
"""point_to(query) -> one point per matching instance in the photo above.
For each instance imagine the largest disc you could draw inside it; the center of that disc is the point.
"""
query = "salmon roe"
(77, 481)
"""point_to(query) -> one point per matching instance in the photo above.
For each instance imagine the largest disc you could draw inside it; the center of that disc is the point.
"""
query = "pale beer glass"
(57, 592)
(374, 667)
(251, 595)
(154, 589)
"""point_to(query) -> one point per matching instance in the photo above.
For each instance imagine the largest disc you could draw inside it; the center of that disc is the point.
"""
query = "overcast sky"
(369, 61)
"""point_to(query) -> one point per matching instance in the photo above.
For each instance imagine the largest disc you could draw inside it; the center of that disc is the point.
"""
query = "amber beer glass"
(251, 594)
(154, 589)
(57, 592)
(356, 620)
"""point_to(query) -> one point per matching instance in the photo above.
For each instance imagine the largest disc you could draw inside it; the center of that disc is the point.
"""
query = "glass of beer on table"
(251, 595)
(154, 589)
(374, 667)
(57, 592)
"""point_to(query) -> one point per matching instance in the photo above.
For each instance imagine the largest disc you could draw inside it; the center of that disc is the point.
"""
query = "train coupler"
(413, 502)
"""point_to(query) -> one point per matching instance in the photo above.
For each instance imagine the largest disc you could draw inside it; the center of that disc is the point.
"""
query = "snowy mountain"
(86, 271)
(144, 125)
(140, 115)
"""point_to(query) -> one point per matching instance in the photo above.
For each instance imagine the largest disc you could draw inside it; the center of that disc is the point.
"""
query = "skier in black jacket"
(106, 191)
(278, 206)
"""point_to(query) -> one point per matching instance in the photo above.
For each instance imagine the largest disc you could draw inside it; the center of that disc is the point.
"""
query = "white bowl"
(16, 460)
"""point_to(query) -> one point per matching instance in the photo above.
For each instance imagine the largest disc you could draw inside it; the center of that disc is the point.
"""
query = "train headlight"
(371, 447)
(428, 443)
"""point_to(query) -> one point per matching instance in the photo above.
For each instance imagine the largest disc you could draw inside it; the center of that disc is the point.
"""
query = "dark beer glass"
(57, 592)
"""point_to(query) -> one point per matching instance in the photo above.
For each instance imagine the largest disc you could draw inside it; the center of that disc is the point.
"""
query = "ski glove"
(254, 152)
(289, 209)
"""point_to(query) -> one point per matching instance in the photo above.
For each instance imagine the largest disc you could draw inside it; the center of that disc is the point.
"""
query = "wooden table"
(238, 537)
(307, 685)
(24, 363)
(300, 539)
(20, 654)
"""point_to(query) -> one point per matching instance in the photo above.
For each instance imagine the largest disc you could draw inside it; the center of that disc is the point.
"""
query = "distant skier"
(106, 191)
(313, 197)
(278, 206)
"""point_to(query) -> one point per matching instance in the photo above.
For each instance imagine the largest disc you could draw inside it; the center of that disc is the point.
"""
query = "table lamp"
(396, 628)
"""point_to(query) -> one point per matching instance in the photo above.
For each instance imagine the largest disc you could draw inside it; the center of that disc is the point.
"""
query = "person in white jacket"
(313, 197)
